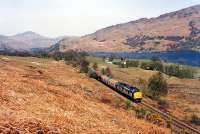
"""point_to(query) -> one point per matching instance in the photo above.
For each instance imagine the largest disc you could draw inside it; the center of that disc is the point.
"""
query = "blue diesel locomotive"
(124, 88)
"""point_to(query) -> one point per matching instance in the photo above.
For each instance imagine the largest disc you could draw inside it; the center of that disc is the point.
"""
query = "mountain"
(26, 41)
(178, 30)
(8, 44)
(35, 40)
(58, 47)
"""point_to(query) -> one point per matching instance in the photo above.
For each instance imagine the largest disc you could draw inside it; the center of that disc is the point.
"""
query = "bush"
(186, 73)
(95, 66)
(58, 56)
(155, 119)
(105, 100)
(169, 122)
(73, 58)
(195, 119)
(116, 63)
(183, 131)
(103, 71)
(108, 72)
(118, 103)
(44, 55)
(172, 70)
(84, 66)
(163, 104)
(132, 63)
(158, 66)
(153, 65)
(128, 104)
(181, 72)
(141, 113)
(157, 86)
(144, 65)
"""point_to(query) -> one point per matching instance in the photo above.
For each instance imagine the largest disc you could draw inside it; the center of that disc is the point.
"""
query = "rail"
(175, 122)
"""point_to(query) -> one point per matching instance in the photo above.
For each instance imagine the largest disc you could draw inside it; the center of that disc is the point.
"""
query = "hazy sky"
(78, 17)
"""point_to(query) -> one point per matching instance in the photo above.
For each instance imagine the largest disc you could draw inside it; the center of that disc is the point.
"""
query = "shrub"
(58, 56)
(169, 123)
(157, 86)
(141, 113)
(84, 66)
(118, 103)
(108, 72)
(95, 66)
(132, 63)
(163, 104)
(185, 73)
(116, 63)
(183, 131)
(128, 104)
(144, 65)
(73, 58)
(155, 119)
(195, 119)
(103, 71)
(153, 65)
(158, 66)
(181, 72)
(105, 100)
(92, 74)
(73, 63)
(172, 70)
(44, 55)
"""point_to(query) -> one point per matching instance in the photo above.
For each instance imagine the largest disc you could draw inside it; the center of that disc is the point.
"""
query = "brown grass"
(184, 94)
(45, 96)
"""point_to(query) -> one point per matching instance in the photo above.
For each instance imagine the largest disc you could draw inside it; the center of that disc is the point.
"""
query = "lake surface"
(191, 58)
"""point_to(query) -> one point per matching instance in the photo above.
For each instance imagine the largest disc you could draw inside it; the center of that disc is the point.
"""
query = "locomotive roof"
(129, 86)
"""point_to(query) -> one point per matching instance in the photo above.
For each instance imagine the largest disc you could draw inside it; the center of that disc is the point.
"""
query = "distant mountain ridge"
(179, 30)
(26, 42)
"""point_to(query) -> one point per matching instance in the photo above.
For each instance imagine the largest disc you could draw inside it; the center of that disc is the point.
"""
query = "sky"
(78, 17)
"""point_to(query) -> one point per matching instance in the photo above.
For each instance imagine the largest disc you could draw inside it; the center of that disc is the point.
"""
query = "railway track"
(176, 123)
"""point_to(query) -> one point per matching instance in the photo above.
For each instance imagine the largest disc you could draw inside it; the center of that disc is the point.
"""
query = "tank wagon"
(124, 88)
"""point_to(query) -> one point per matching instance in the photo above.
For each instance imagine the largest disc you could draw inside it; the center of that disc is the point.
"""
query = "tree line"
(157, 65)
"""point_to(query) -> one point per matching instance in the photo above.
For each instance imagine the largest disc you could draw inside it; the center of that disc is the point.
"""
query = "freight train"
(124, 88)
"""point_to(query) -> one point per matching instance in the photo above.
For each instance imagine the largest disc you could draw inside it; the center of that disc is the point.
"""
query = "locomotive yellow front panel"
(137, 95)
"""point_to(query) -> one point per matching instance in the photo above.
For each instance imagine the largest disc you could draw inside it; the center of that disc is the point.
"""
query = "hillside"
(8, 44)
(183, 99)
(172, 31)
(33, 100)
(26, 41)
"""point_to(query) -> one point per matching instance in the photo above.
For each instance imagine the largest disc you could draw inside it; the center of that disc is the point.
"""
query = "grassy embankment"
(47, 96)
(184, 94)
